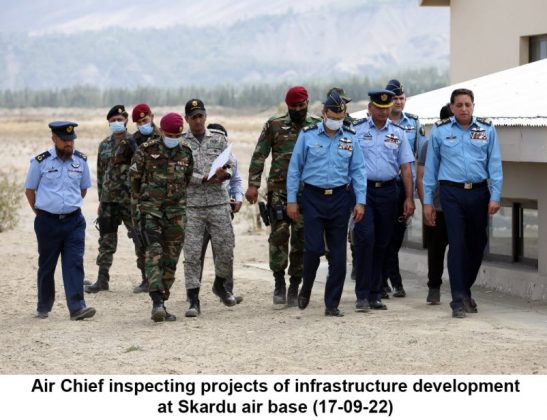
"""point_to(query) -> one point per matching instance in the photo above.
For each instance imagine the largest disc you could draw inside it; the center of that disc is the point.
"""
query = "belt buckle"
(468, 186)
(328, 192)
(378, 184)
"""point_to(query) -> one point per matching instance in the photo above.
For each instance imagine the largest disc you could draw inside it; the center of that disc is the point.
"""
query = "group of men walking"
(171, 189)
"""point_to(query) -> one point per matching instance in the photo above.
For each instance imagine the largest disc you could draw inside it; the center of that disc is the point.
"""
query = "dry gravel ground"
(256, 337)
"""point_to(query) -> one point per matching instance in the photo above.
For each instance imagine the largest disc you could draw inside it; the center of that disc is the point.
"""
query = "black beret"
(117, 110)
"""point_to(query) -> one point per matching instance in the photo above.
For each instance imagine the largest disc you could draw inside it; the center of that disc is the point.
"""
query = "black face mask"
(298, 117)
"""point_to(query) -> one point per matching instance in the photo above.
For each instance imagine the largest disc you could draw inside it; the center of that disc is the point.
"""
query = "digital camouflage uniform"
(208, 208)
(279, 136)
(159, 177)
(113, 162)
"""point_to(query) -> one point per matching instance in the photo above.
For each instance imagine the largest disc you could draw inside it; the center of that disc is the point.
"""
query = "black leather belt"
(58, 216)
(465, 185)
(380, 184)
(326, 191)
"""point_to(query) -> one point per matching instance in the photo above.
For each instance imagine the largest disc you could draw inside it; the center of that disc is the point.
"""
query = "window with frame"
(537, 48)
(513, 233)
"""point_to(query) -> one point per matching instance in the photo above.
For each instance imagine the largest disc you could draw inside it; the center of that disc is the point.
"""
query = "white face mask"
(171, 142)
(117, 127)
(334, 125)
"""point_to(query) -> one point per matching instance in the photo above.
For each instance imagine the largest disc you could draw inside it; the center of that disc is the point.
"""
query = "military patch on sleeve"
(310, 127)
(442, 122)
(80, 155)
(351, 130)
(486, 121)
(422, 131)
(412, 116)
(42, 156)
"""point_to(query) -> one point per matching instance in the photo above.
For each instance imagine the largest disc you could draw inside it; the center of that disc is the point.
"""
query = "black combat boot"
(158, 310)
(280, 290)
(292, 293)
(193, 297)
(225, 296)
(168, 316)
(101, 283)
(143, 287)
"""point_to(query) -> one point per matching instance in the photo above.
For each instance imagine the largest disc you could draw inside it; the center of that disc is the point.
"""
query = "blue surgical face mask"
(334, 125)
(171, 142)
(117, 126)
(146, 129)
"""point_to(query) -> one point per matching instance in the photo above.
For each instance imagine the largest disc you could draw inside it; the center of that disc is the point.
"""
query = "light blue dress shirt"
(235, 184)
(463, 155)
(327, 162)
(58, 184)
(384, 149)
(414, 134)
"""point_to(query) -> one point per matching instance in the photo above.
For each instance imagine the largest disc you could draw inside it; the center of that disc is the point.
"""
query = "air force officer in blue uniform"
(387, 152)
(56, 184)
(463, 154)
(327, 160)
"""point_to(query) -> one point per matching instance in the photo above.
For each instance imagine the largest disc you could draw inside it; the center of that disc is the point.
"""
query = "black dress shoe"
(41, 315)
(469, 305)
(399, 292)
(458, 313)
(333, 312)
(303, 300)
(377, 304)
(83, 314)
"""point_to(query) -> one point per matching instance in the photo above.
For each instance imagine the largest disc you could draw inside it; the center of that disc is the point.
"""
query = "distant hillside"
(353, 38)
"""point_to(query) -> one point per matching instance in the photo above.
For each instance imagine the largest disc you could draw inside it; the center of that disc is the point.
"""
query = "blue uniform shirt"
(463, 155)
(385, 149)
(235, 184)
(414, 132)
(327, 162)
(58, 183)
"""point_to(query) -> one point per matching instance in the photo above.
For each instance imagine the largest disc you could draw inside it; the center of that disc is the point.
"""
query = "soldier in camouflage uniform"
(160, 172)
(279, 136)
(208, 209)
(113, 161)
(146, 130)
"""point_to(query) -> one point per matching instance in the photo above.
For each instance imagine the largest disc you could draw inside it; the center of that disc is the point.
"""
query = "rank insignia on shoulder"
(412, 116)
(359, 121)
(42, 156)
(310, 127)
(486, 121)
(80, 155)
(351, 130)
(442, 122)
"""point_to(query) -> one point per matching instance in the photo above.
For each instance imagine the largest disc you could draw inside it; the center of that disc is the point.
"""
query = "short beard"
(61, 154)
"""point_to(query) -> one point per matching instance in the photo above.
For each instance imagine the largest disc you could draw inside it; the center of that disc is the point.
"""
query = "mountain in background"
(125, 44)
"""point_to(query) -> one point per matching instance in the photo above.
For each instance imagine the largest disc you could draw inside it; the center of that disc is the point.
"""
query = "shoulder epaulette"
(214, 130)
(442, 122)
(310, 127)
(42, 156)
(359, 121)
(486, 121)
(80, 155)
(314, 117)
(351, 130)
(413, 116)
(149, 143)
(396, 125)
(184, 143)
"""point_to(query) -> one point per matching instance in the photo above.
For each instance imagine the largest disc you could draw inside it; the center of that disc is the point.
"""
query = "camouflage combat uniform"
(159, 177)
(208, 208)
(141, 138)
(279, 136)
(113, 161)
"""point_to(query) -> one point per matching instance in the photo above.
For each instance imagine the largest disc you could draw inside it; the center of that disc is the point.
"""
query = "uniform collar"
(473, 122)
(372, 125)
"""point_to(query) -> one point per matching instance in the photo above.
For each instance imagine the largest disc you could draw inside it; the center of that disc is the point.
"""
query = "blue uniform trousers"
(65, 237)
(371, 238)
(466, 216)
(391, 262)
(325, 219)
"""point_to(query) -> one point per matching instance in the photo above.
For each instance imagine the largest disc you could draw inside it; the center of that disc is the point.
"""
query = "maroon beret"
(172, 123)
(295, 95)
(140, 111)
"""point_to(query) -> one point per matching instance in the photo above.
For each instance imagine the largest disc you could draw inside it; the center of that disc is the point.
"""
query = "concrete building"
(492, 35)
